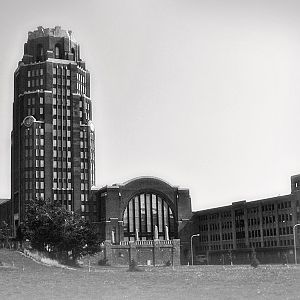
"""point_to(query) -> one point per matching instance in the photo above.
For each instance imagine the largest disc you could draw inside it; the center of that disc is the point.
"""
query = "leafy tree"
(60, 232)
(5, 233)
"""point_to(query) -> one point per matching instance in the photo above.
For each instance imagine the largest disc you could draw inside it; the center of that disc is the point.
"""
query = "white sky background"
(203, 94)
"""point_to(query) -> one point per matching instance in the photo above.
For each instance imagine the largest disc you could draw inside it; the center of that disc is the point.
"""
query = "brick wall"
(155, 253)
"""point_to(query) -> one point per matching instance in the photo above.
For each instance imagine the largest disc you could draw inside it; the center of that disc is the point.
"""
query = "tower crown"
(49, 43)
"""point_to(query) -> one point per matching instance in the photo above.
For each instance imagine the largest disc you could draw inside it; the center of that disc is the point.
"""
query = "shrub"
(254, 262)
(103, 262)
(133, 267)
(168, 263)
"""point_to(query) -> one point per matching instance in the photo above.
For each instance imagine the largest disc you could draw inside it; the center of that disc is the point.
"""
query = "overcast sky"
(203, 94)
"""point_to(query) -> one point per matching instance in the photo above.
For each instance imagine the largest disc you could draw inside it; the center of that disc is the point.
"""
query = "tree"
(60, 232)
(5, 233)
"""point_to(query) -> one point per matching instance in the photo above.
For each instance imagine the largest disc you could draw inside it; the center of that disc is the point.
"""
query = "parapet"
(55, 32)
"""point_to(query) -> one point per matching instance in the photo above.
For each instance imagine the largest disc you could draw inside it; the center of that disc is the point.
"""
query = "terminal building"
(232, 233)
(146, 218)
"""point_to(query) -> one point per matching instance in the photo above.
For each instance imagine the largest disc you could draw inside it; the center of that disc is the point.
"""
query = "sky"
(203, 94)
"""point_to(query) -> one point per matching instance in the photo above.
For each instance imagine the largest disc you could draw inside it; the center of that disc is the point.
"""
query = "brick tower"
(52, 141)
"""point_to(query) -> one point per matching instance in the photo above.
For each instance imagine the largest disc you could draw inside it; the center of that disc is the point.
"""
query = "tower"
(52, 141)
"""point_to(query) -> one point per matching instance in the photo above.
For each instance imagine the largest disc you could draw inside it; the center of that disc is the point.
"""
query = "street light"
(295, 248)
(198, 234)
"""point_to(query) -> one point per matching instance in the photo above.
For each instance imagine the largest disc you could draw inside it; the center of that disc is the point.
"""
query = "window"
(57, 51)
(39, 52)
(147, 213)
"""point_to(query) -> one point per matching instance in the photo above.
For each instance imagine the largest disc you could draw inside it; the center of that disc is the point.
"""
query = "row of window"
(252, 210)
(227, 236)
(215, 237)
(35, 82)
(214, 226)
(285, 217)
(33, 111)
(254, 233)
(62, 195)
(255, 244)
(269, 232)
(60, 175)
(283, 205)
(268, 219)
(267, 207)
(286, 242)
(62, 185)
(36, 72)
(227, 246)
(62, 164)
(226, 214)
(61, 102)
(227, 225)
(253, 221)
(286, 230)
(61, 81)
(31, 101)
(61, 71)
(215, 247)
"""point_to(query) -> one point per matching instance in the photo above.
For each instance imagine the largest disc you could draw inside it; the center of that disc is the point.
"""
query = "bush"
(103, 262)
(168, 263)
(133, 267)
(254, 262)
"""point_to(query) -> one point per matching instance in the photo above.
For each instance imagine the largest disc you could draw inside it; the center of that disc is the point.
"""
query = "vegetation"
(5, 233)
(60, 232)
(103, 262)
(133, 266)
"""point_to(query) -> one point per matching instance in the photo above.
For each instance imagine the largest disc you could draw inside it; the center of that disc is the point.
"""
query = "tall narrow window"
(57, 51)
(39, 52)
(73, 52)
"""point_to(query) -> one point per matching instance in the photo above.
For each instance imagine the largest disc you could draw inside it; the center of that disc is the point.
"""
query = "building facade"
(52, 140)
(142, 218)
(232, 233)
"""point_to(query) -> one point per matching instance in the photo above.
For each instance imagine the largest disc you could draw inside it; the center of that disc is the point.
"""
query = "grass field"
(22, 278)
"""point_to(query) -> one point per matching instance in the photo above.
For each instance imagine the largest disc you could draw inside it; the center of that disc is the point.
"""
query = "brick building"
(233, 232)
(146, 212)
(52, 141)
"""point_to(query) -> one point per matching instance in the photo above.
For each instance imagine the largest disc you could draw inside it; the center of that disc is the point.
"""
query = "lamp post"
(295, 248)
(198, 234)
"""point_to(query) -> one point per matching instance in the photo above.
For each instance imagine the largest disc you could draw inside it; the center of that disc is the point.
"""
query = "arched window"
(57, 51)
(73, 52)
(39, 52)
(146, 212)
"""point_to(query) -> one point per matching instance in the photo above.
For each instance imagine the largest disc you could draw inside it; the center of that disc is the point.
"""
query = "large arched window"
(144, 213)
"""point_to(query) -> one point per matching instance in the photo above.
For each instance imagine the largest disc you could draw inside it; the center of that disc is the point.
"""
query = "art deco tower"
(52, 140)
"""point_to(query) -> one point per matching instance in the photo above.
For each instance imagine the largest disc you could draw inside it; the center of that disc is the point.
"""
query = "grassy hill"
(30, 280)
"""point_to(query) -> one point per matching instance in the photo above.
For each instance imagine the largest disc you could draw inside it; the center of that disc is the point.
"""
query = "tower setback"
(53, 140)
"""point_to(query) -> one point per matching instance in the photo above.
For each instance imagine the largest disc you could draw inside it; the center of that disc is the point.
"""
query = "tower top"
(57, 31)
(48, 43)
